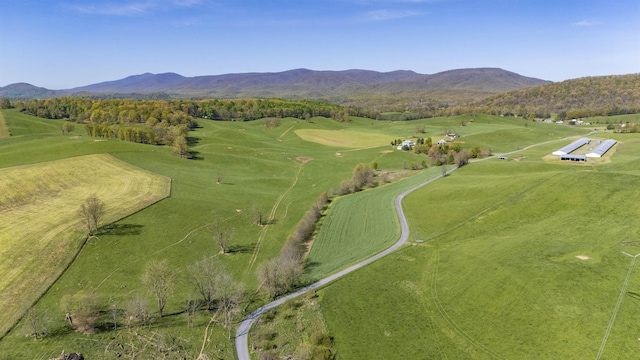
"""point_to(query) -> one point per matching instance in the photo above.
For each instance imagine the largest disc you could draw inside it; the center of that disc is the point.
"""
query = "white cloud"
(131, 8)
(384, 14)
(586, 23)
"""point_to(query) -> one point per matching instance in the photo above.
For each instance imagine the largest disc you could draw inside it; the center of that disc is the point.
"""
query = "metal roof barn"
(573, 157)
(572, 147)
(602, 148)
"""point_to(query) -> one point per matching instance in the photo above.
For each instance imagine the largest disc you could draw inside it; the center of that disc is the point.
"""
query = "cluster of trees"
(252, 109)
(626, 128)
(153, 134)
(143, 121)
(445, 154)
(283, 273)
(130, 111)
(364, 176)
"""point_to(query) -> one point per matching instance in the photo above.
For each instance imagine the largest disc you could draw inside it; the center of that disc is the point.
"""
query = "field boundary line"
(623, 290)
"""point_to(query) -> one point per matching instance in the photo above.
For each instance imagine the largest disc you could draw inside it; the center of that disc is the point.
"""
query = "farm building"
(408, 143)
(571, 157)
(572, 147)
(601, 149)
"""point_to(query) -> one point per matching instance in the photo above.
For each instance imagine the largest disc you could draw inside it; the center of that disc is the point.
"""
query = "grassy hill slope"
(259, 167)
(521, 259)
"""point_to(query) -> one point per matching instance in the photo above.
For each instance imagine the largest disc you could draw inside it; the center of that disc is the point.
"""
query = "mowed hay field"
(520, 260)
(348, 139)
(40, 230)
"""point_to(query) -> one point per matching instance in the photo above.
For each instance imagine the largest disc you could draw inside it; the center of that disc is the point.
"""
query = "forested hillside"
(583, 97)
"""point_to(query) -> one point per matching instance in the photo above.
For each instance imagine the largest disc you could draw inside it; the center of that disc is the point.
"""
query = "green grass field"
(40, 231)
(4, 129)
(521, 259)
(347, 236)
(272, 169)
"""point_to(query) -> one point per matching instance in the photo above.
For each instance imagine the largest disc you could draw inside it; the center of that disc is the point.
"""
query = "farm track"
(242, 340)
(242, 333)
(271, 217)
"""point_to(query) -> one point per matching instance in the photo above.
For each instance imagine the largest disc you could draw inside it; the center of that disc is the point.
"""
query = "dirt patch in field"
(303, 159)
(339, 154)
(583, 257)
(386, 151)
(519, 158)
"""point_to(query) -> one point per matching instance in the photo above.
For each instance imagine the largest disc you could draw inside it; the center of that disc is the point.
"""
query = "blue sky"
(69, 43)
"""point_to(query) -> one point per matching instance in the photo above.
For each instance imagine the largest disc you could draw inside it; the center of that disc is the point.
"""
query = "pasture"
(256, 167)
(4, 129)
(347, 236)
(40, 230)
(239, 167)
(519, 260)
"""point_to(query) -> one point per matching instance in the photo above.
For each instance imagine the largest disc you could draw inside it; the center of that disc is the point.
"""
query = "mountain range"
(298, 83)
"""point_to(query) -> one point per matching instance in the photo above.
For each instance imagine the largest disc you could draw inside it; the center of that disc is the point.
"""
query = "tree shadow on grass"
(192, 141)
(242, 249)
(121, 229)
(195, 155)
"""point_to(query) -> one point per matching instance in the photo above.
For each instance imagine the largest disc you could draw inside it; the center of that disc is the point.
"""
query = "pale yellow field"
(4, 130)
(344, 138)
(40, 230)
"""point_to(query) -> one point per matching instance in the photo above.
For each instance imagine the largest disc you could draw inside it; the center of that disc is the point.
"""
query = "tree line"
(130, 111)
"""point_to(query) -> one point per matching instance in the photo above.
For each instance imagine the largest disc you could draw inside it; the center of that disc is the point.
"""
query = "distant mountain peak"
(306, 83)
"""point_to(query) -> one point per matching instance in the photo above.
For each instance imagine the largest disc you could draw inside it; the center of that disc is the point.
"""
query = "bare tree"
(290, 269)
(444, 169)
(36, 321)
(258, 217)
(269, 277)
(222, 237)
(204, 275)
(230, 296)
(114, 313)
(92, 211)
(160, 282)
(81, 311)
(191, 306)
(136, 310)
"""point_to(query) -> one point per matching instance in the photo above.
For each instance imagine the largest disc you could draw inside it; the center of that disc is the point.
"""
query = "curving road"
(242, 334)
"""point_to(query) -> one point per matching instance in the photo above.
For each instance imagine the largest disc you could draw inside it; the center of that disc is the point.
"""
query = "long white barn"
(572, 147)
(602, 148)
